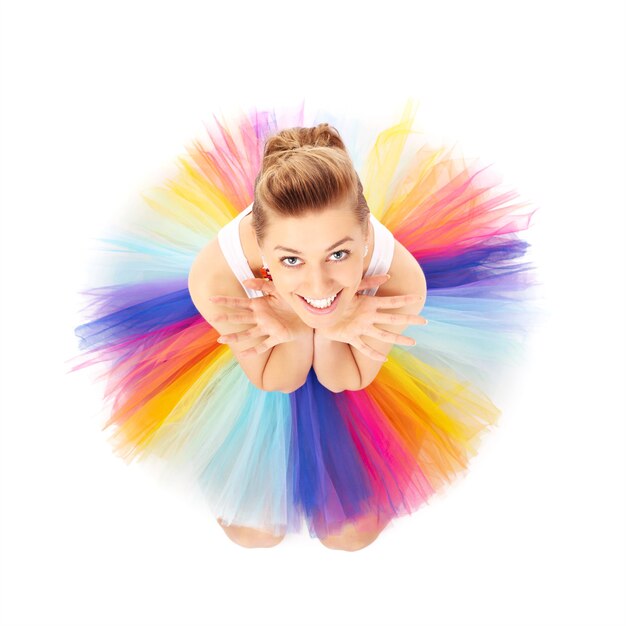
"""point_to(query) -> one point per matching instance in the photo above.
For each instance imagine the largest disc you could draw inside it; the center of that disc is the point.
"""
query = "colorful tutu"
(276, 461)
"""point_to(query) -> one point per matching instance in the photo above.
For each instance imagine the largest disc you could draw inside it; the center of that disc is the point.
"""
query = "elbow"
(333, 389)
(285, 389)
(281, 389)
(328, 384)
(356, 387)
(289, 388)
(270, 387)
(341, 388)
(295, 386)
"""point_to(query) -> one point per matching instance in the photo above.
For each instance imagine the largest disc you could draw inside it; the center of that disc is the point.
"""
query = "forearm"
(289, 363)
(334, 364)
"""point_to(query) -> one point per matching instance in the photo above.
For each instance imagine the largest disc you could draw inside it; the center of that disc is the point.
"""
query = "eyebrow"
(337, 243)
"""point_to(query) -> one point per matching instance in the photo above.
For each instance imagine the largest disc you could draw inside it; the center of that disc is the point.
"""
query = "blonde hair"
(305, 169)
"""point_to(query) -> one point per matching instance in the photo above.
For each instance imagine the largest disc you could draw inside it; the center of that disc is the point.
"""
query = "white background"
(99, 97)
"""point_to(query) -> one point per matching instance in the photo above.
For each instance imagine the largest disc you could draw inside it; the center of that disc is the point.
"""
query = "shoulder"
(406, 274)
(210, 275)
(210, 272)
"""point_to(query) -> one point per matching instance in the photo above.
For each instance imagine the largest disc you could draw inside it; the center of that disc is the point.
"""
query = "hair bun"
(325, 135)
(291, 140)
(305, 169)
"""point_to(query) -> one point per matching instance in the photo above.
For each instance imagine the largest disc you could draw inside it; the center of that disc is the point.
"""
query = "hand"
(271, 314)
(362, 313)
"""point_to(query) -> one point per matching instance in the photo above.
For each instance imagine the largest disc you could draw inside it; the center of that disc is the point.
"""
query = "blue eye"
(284, 258)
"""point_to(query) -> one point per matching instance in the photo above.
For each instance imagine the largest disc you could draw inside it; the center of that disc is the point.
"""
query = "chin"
(318, 323)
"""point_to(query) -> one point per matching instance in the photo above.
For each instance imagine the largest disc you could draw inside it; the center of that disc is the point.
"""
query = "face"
(308, 258)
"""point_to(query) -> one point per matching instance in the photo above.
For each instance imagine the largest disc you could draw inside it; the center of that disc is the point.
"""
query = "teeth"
(321, 304)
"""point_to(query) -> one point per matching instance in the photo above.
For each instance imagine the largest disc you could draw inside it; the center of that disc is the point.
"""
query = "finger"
(258, 349)
(242, 303)
(399, 318)
(260, 284)
(395, 301)
(388, 336)
(374, 280)
(245, 318)
(377, 278)
(370, 352)
(240, 336)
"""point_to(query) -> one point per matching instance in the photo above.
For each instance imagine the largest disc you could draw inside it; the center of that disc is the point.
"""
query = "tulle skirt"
(277, 462)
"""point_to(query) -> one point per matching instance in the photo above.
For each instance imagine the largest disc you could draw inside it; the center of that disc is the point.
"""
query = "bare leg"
(357, 535)
(250, 537)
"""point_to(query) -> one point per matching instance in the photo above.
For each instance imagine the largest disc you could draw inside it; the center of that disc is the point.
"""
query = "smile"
(321, 306)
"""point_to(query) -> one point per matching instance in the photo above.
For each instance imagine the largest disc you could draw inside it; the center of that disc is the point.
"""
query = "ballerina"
(263, 328)
(311, 312)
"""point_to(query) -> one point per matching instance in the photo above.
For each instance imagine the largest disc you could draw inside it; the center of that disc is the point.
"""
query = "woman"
(310, 230)
(295, 418)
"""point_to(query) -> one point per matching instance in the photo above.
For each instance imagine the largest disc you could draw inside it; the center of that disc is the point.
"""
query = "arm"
(268, 370)
(283, 367)
(334, 364)
(289, 363)
(340, 366)
(411, 281)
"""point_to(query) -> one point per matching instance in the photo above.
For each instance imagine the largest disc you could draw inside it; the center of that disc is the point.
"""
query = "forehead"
(313, 231)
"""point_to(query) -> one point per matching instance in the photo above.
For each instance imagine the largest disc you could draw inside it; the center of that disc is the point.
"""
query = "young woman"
(261, 326)
(310, 229)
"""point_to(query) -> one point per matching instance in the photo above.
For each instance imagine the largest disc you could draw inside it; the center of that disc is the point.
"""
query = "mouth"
(321, 310)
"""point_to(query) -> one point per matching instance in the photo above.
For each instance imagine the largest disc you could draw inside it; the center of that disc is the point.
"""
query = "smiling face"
(316, 256)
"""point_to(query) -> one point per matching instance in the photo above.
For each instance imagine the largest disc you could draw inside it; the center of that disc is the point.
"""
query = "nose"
(319, 285)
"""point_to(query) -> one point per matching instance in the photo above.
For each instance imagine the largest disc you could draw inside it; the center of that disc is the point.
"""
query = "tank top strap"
(230, 244)
(382, 254)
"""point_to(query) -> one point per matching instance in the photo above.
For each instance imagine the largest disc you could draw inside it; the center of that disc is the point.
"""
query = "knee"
(357, 535)
(250, 537)
(294, 387)
(350, 539)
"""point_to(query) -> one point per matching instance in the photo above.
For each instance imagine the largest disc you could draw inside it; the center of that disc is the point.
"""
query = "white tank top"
(230, 244)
